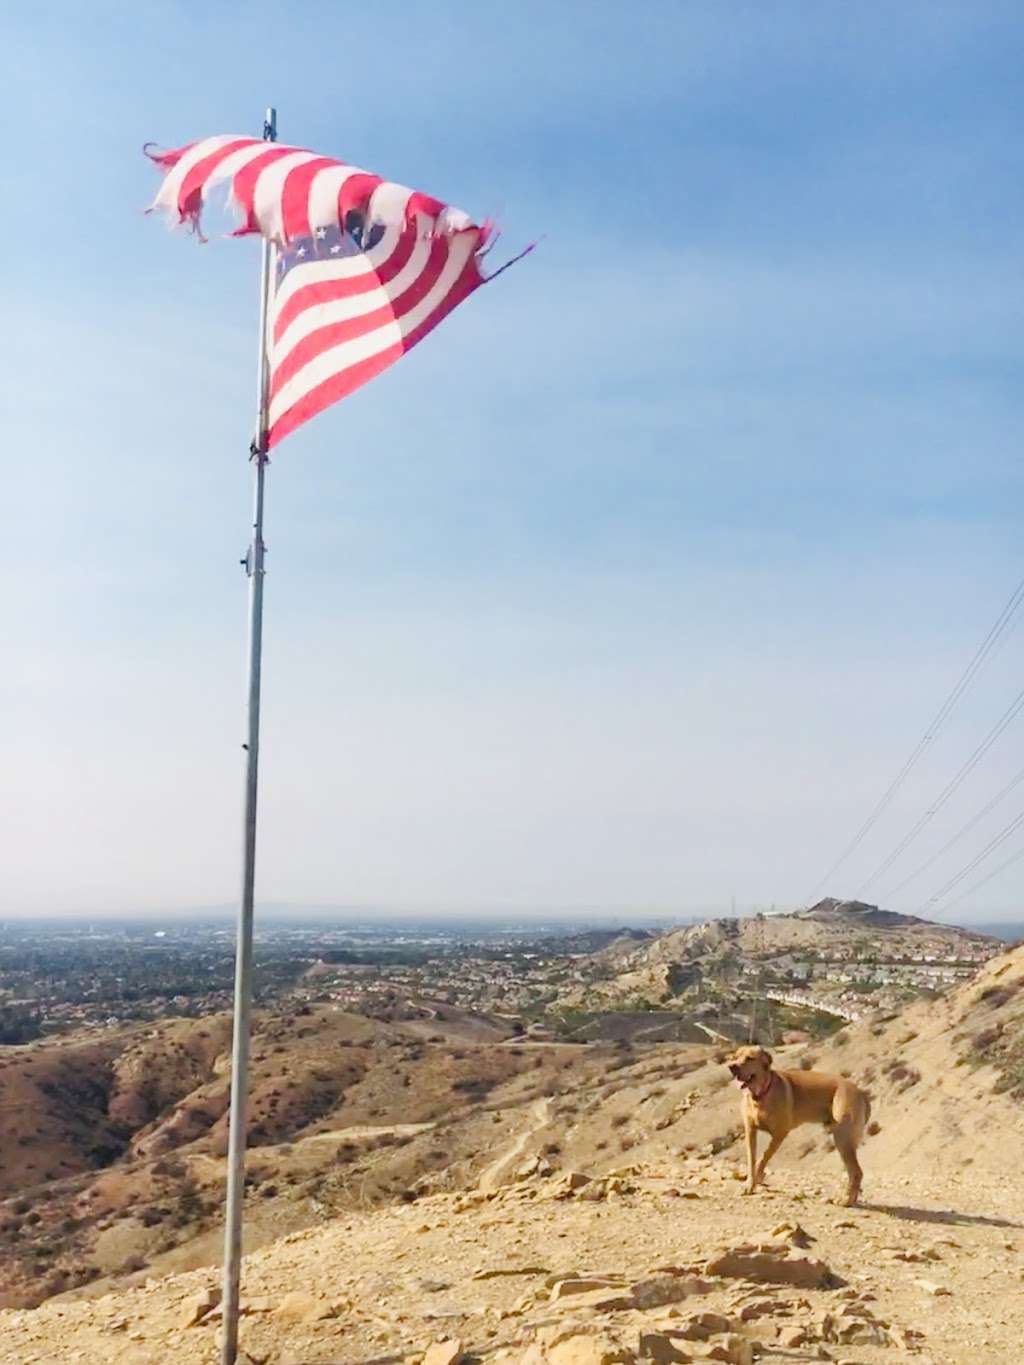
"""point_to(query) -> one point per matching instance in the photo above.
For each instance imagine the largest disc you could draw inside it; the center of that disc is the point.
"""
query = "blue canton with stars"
(329, 244)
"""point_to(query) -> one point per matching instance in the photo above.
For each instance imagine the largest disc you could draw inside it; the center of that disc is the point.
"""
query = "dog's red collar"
(759, 1095)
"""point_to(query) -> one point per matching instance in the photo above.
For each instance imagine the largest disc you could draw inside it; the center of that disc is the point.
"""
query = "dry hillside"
(829, 924)
(112, 1152)
(666, 967)
(617, 1167)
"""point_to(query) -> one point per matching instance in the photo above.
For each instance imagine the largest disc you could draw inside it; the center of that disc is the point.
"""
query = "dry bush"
(982, 1041)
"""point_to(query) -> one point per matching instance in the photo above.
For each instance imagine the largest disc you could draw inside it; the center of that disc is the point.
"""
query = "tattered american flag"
(364, 270)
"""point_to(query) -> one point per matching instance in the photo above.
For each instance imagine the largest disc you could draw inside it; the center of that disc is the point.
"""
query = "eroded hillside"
(113, 1151)
(434, 1188)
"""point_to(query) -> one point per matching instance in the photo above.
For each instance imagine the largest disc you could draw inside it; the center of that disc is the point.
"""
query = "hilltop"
(623, 1174)
(833, 911)
(843, 957)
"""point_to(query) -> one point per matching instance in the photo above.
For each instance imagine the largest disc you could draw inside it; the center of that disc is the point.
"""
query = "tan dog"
(775, 1102)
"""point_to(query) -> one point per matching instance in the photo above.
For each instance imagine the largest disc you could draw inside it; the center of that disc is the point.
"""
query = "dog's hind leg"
(845, 1136)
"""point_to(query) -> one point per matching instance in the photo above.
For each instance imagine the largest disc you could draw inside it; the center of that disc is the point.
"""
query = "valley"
(607, 1214)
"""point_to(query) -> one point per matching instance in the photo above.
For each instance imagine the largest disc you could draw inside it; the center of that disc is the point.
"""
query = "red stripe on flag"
(469, 280)
(190, 196)
(295, 197)
(331, 390)
(335, 333)
(166, 160)
(422, 203)
(329, 291)
(354, 193)
(244, 186)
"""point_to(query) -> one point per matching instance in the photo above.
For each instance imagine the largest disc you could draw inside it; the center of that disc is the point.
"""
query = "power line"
(1015, 707)
(1015, 858)
(981, 656)
(964, 829)
(1007, 832)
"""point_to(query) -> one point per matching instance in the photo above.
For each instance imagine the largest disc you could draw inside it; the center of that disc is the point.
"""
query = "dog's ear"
(765, 1056)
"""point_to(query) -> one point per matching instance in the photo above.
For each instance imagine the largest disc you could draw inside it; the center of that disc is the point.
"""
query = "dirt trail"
(369, 1130)
(493, 1175)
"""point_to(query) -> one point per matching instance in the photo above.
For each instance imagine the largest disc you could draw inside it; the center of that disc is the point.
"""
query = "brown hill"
(113, 1150)
(928, 1267)
(833, 911)
(666, 965)
(830, 923)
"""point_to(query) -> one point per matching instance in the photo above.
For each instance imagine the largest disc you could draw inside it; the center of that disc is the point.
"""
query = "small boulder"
(569, 1287)
(655, 1292)
(497, 1272)
(734, 1349)
(794, 1234)
(665, 1289)
(196, 1307)
(566, 1185)
(930, 1287)
(763, 1308)
(794, 1336)
(701, 1326)
(533, 1166)
(770, 1264)
(301, 1306)
(663, 1348)
(260, 1303)
(590, 1349)
(444, 1352)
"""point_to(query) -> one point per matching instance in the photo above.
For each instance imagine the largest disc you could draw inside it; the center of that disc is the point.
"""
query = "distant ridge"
(833, 911)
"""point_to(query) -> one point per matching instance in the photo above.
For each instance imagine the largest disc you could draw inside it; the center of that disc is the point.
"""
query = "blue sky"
(629, 590)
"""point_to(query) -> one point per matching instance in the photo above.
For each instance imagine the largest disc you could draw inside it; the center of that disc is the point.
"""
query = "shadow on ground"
(948, 1216)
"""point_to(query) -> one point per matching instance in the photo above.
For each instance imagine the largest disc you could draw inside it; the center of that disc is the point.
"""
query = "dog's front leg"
(769, 1152)
(750, 1132)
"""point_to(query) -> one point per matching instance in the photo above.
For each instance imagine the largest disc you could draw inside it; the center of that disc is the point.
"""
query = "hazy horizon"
(578, 916)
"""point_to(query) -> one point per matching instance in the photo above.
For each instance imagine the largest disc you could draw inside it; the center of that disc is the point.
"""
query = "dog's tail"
(870, 1128)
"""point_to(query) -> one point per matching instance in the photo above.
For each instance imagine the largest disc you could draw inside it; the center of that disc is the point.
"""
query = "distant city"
(63, 975)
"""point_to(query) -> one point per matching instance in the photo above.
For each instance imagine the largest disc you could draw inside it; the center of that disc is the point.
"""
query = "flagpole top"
(270, 124)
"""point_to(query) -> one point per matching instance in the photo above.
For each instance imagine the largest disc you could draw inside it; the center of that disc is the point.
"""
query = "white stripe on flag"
(167, 196)
(347, 353)
(267, 202)
(356, 306)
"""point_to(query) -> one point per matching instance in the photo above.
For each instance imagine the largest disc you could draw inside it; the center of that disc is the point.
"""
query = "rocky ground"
(603, 1221)
(644, 1265)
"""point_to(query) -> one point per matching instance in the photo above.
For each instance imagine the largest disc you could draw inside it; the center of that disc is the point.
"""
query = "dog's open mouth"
(748, 1083)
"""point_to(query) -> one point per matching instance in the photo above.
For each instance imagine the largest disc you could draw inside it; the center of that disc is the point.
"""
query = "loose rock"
(443, 1352)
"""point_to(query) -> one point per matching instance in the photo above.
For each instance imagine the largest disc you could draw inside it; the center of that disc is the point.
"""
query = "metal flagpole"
(243, 950)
